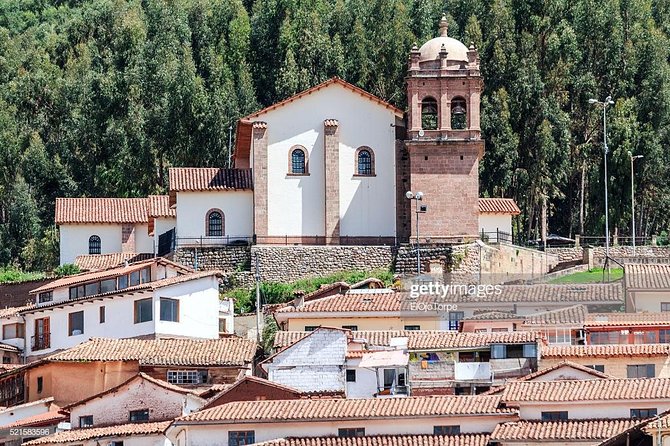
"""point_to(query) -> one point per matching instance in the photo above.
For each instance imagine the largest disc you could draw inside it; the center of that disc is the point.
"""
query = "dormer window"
(429, 114)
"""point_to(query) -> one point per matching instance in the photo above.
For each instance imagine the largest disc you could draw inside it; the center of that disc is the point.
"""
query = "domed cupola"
(455, 49)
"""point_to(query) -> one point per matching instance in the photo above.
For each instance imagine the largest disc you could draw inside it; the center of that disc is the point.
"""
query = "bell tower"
(444, 142)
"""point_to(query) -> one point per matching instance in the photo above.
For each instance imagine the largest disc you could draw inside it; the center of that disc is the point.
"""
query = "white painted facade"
(192, 208)
(365, 385)
(296, 204)
(114, 407)
(16, 413)
(217, 434)
(490, 224)
(74, 239)
(198, 315)
(586, 409)
(161, 226)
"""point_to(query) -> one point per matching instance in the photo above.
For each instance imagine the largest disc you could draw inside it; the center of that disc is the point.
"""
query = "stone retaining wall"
(616, 252)
(225, 258)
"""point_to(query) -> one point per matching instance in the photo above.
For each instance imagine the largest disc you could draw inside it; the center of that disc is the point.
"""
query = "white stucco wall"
(162, 225)
(604, 409)
(296, 204)
(198, 316)
(16, 413)
(144, 243)
(192, 208)
(217, 435)
(74, 240)
(366, 381)
(565, 373)
(491, 223)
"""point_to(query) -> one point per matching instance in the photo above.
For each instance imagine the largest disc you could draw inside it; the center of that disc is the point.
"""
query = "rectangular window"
(351, 376)
(40, 384)
(446, 430)
(643, 413)
(86, 421)
(135, 278)
(75, 323)
(47, 296)
(145, 274)
(107, 286)
(222, 325)
(187, 376)
(91, 288)
(641, 371)
(73, 292)
(665, 306)
(349, 432)
(102, 314)
(240, 438)
(412, 327)
(498, 351)
(530, 350)
(311, 327)
(122, 282)
(350, 327)
(597, 367)
(499, 330)
(139, 415)
(169, 310)
(455, 319)
(555, 415)
(143, 311)
(664, 336)
(12, 331)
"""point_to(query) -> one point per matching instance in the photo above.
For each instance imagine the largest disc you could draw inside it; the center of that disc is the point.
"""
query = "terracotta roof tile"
(572, 365)
(44, 419)
(606, 351)
(307, 410)
(647, 276)
(13, 311)
(122, 430)
(586, 390)
(384, 440)
(574, 315)
(569, 430)
(231, 351)
(494, 316)
(627, 319)
(498, 206)
(331, 123)
(101, 210)
(96, 262)
(159, 206)
(209, 178)
(568, 293)
(423, 339)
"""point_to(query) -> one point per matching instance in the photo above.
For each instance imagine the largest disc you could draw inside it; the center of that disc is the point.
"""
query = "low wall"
(225, 258)
(619, 253)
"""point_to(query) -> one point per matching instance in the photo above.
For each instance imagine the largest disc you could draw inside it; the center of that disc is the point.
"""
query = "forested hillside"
(100, 97)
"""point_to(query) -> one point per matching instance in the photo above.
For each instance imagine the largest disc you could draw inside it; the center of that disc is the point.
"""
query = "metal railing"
(496, 236)
(40, 342)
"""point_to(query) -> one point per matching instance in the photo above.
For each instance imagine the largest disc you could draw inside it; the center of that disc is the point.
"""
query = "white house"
(495, 218)
(153, 297)
(102, 226)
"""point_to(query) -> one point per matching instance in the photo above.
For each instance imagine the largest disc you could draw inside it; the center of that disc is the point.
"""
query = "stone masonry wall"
(616, 252)
(227, 259)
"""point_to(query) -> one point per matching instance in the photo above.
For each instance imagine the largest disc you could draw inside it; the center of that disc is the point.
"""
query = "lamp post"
(632, 193)
(604, 104)
(419, 210)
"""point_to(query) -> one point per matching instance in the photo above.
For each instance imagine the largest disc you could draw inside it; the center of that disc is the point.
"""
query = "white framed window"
(187, 376)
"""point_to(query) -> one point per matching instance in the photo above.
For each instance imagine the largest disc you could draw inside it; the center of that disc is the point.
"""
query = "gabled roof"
(101, 210)
(384, 440)
(647, 276)
(627, 319)
(139, 377)
(313, 410)
(569, 430)
(252, 379)
(121, 430)
(586, 390)
(573, 315)
(50, 418)
(423, 339)
(230, 351)
(604, 351)
(96, 262)
(159, 206)
(562, 364)
(498, 206)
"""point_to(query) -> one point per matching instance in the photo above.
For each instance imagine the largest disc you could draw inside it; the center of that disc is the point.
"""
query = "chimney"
(298, 298)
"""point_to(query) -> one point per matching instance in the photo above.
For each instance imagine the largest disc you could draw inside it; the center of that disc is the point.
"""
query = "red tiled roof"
(493, 316)
(49, 418)
(569, 430)
(498, 206)
(95, 262)
(307, 410)
(384, 440)
(586, 390)
(647, 276)
(607, 351)
(209, 178)
(230, 351)
(101, 210)
(570, 364)
(159, 206)
(13, 311)
(573, 315)
(422, 339)
(627, 319)
(122, 430)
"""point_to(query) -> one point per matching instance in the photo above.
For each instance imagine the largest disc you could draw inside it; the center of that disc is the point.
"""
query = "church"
(333, 164)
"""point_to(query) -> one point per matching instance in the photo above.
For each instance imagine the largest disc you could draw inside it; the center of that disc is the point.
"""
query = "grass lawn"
(592, 276)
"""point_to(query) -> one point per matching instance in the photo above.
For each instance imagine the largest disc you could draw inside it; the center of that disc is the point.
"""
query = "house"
(252, 388)
(153, 297)
(25, 421)
(495, 219)
(102, 226)
(13, 334)
(565, 370)
(647, 287)
(259, 421)
(362, 364)
(558, 432)
(621, 361)
(100, 364)
(96, 262)
(628, 328)
(145, 434)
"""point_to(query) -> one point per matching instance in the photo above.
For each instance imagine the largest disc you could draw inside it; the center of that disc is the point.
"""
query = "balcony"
(41, 342)
(473, 371)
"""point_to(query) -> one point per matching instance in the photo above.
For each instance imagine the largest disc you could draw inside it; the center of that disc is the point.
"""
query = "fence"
(497, 236)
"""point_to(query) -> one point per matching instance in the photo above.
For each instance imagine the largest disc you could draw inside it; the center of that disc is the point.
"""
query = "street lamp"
(604, 104)
(419, 210)
(632, 193)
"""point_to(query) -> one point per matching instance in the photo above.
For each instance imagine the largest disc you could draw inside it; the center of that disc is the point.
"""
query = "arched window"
(215, 223)
(429, 114)
(365, 161)
(459, 115)
(94, 244)
(298, 161)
